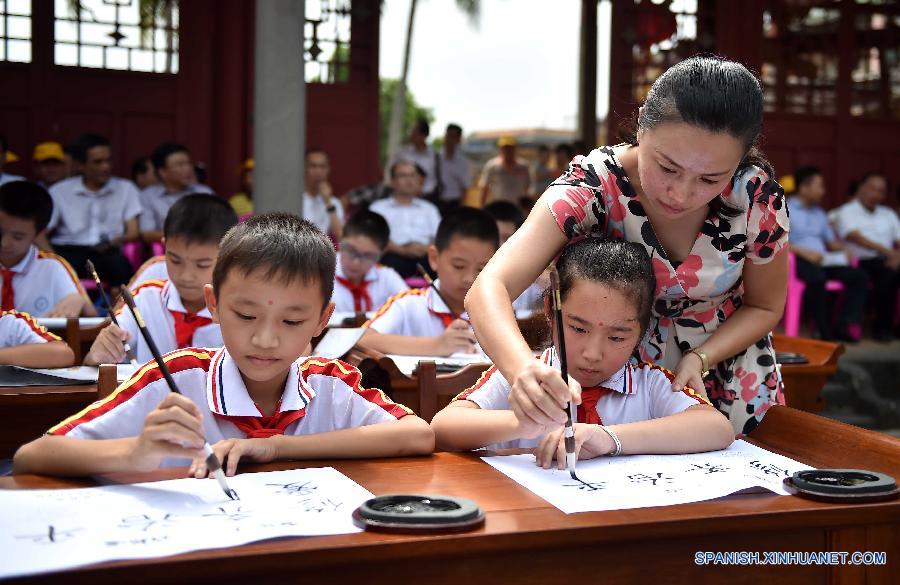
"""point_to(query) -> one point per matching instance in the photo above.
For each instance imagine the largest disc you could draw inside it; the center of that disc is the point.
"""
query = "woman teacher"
(692, 188)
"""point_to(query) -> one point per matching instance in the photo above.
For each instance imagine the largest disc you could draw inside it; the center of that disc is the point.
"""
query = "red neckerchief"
(8, 301)
(587, 410)
(185, 326)
(362, 301)
(263, 427)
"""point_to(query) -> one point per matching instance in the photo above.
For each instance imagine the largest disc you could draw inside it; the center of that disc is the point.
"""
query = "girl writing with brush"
(691, 189)
(606, 289)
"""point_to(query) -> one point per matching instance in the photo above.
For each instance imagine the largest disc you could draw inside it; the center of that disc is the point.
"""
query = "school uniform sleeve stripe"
(147, 284)
(35, 327)
(177, 361)
(485, 376)
(353, 378)
(671, 377)
(71, 272)
(147, 264)
(387, 304)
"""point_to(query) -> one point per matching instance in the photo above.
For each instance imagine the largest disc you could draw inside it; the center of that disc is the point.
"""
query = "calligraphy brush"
(212, 462)
(109, 308)
(563, 370)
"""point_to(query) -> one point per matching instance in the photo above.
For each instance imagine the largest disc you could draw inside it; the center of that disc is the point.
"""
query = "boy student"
(255, 398)
(176, 179)
(175, 310)
(417, 322)
(95, 212)
(360, 283)
(36, 282)
(25, 343)
(606, 289)
(413, 220)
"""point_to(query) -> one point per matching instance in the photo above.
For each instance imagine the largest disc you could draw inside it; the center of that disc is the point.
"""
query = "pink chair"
(134, 251)
(794, 303)
(158, 248)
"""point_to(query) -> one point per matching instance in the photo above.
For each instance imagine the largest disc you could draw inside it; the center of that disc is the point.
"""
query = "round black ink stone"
(842, 485)
(418, 513)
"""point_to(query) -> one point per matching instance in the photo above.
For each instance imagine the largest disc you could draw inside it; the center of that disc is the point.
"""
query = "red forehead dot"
(270, 301)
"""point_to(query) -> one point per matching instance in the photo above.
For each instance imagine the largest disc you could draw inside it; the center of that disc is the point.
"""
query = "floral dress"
(594, 198)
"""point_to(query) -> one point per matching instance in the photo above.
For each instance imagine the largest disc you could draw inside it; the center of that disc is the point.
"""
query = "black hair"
(455, 128)
(162, 153)
(199, 219)
(314, 150)
(624, 266)
(805, 174)
(467, 222)
(27, 200)
(566, 149)
(859, 183)
(712, 93)
(422, 126)
(371, 225)
(416, 166)
(284, 246)
(84, 143)
(543, 148)
(140, 166)
(506, 211)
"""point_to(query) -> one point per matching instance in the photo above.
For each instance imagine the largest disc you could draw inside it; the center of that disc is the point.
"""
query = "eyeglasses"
(354, 254)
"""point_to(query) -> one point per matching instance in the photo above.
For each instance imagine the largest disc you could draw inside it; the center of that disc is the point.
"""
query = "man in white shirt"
(418, 152)
(873, 233)
(94, 213)
(413, 221)
(454, 173)
(4, 177)
(319, 206)
(175, 170)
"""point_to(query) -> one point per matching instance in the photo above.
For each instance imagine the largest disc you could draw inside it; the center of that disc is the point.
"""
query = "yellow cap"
(788, 184)
(247, 165)
(48, 150)
(11, 157)
(506, 141)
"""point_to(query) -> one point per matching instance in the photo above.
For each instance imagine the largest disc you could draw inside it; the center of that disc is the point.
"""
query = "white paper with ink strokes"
(641, 481)
(51, 530)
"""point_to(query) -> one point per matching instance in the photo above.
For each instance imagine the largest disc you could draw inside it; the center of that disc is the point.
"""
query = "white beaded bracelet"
(612, 435)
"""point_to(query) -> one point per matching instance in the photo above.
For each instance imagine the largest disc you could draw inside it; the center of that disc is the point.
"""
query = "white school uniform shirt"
(881, 226)
(156, 202)
(153, 269)
(382, 282)
(416, 312)
(82, 218)
(326, 392)
(155, 299)
(640, 392)
(7, 178)
(416, 221)
(41, 280)
(21, 329)
(314, 211)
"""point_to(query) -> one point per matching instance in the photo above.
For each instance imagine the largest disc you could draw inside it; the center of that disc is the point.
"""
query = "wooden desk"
(525, 540)
(803, 383)
(27, 412)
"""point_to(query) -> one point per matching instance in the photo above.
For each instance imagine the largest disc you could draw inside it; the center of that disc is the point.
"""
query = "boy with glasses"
(361, 284)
